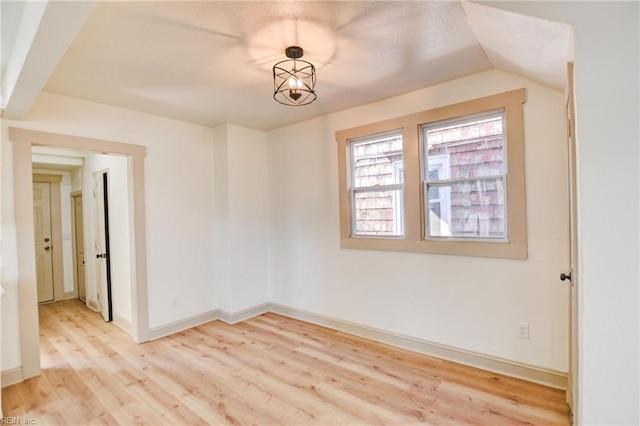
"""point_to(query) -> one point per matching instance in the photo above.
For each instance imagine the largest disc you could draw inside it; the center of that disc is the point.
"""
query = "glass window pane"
(468, 209)
(377, 161)
(473, 147)
(379, 213)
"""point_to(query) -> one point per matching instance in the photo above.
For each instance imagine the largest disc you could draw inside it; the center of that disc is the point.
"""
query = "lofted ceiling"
(209, 62)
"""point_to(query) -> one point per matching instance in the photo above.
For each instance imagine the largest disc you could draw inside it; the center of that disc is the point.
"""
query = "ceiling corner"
(532, 48)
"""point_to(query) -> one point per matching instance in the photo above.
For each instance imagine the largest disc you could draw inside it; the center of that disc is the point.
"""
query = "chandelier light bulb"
(294, 88)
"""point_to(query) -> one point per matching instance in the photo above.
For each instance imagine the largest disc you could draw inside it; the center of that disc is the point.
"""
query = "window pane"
(377, 161)
(379, 213)
(468, 209)
(472, 147)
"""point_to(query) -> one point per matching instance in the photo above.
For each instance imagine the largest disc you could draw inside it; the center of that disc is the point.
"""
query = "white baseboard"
(12, 376)
(93, 304)
(177, 326)
(548, 377)
(245, 314)
(70, 295)
(123, 324)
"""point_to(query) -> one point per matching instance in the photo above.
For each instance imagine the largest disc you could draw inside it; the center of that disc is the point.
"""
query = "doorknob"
(101, 256)
(564, 276)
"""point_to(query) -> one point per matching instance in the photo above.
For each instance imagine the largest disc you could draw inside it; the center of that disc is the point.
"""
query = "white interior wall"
(76, 179)
(11, 354)
(221, 218)
(179, 206)
(469, 303)
(119, 231)
(248, 209)
(241, 221)
(607, 91)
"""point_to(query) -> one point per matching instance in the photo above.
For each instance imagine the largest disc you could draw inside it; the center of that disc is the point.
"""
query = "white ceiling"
(210, 62)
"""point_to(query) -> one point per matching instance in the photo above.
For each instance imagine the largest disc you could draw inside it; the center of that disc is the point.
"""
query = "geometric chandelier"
(294, 80)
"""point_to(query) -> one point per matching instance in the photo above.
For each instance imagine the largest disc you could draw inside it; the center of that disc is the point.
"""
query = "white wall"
(179, 206)
(607, 66)
(465, 302)
(76, 179)
(119, 230)
(11, 355)
(241, 219)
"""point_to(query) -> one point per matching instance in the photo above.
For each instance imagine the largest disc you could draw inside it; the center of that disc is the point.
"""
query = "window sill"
(494, 249)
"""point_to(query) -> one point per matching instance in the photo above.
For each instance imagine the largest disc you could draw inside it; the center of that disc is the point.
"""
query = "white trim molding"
(93, 305)
(544, 376)
(531, 373)
(123, 324)
(12, 376)
(245, 314)
(181, 325)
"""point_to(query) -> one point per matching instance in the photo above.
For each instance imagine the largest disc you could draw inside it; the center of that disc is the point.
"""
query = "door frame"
(23, 139)
(574, 342)
(74, 243)
(55, 210)
(101, 178)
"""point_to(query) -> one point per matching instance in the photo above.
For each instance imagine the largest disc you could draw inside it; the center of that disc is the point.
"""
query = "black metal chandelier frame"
(294, 80)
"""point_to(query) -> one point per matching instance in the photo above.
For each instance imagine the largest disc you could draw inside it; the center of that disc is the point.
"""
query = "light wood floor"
(268, 370)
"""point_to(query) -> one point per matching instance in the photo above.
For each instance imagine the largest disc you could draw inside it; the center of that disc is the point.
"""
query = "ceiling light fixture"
(296, 85)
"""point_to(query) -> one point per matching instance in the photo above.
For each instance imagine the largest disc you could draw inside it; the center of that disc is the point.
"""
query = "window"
(448, 180)
(377, 185)
(464, 176)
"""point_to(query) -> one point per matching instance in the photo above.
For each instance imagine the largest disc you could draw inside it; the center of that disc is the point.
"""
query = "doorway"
(23, 139)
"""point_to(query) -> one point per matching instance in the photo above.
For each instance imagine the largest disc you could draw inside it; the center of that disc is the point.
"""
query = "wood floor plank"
(265, 371)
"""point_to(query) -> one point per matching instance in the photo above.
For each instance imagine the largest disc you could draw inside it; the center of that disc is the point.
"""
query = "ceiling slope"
(38, 42)
(530, 47)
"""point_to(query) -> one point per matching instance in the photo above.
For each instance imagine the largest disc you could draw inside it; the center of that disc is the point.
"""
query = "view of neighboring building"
(463, 184)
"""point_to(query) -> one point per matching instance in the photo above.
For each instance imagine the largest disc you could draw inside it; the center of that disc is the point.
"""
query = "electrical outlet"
(523, 330)
(174, 301)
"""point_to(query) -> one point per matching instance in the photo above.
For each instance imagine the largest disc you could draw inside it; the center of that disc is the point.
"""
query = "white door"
(78, 218)
(42, 234)
(103, 273)
(573, 278)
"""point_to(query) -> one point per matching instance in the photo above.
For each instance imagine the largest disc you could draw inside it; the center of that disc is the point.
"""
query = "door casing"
(22, 140)
(77, 228)
(573, 284)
